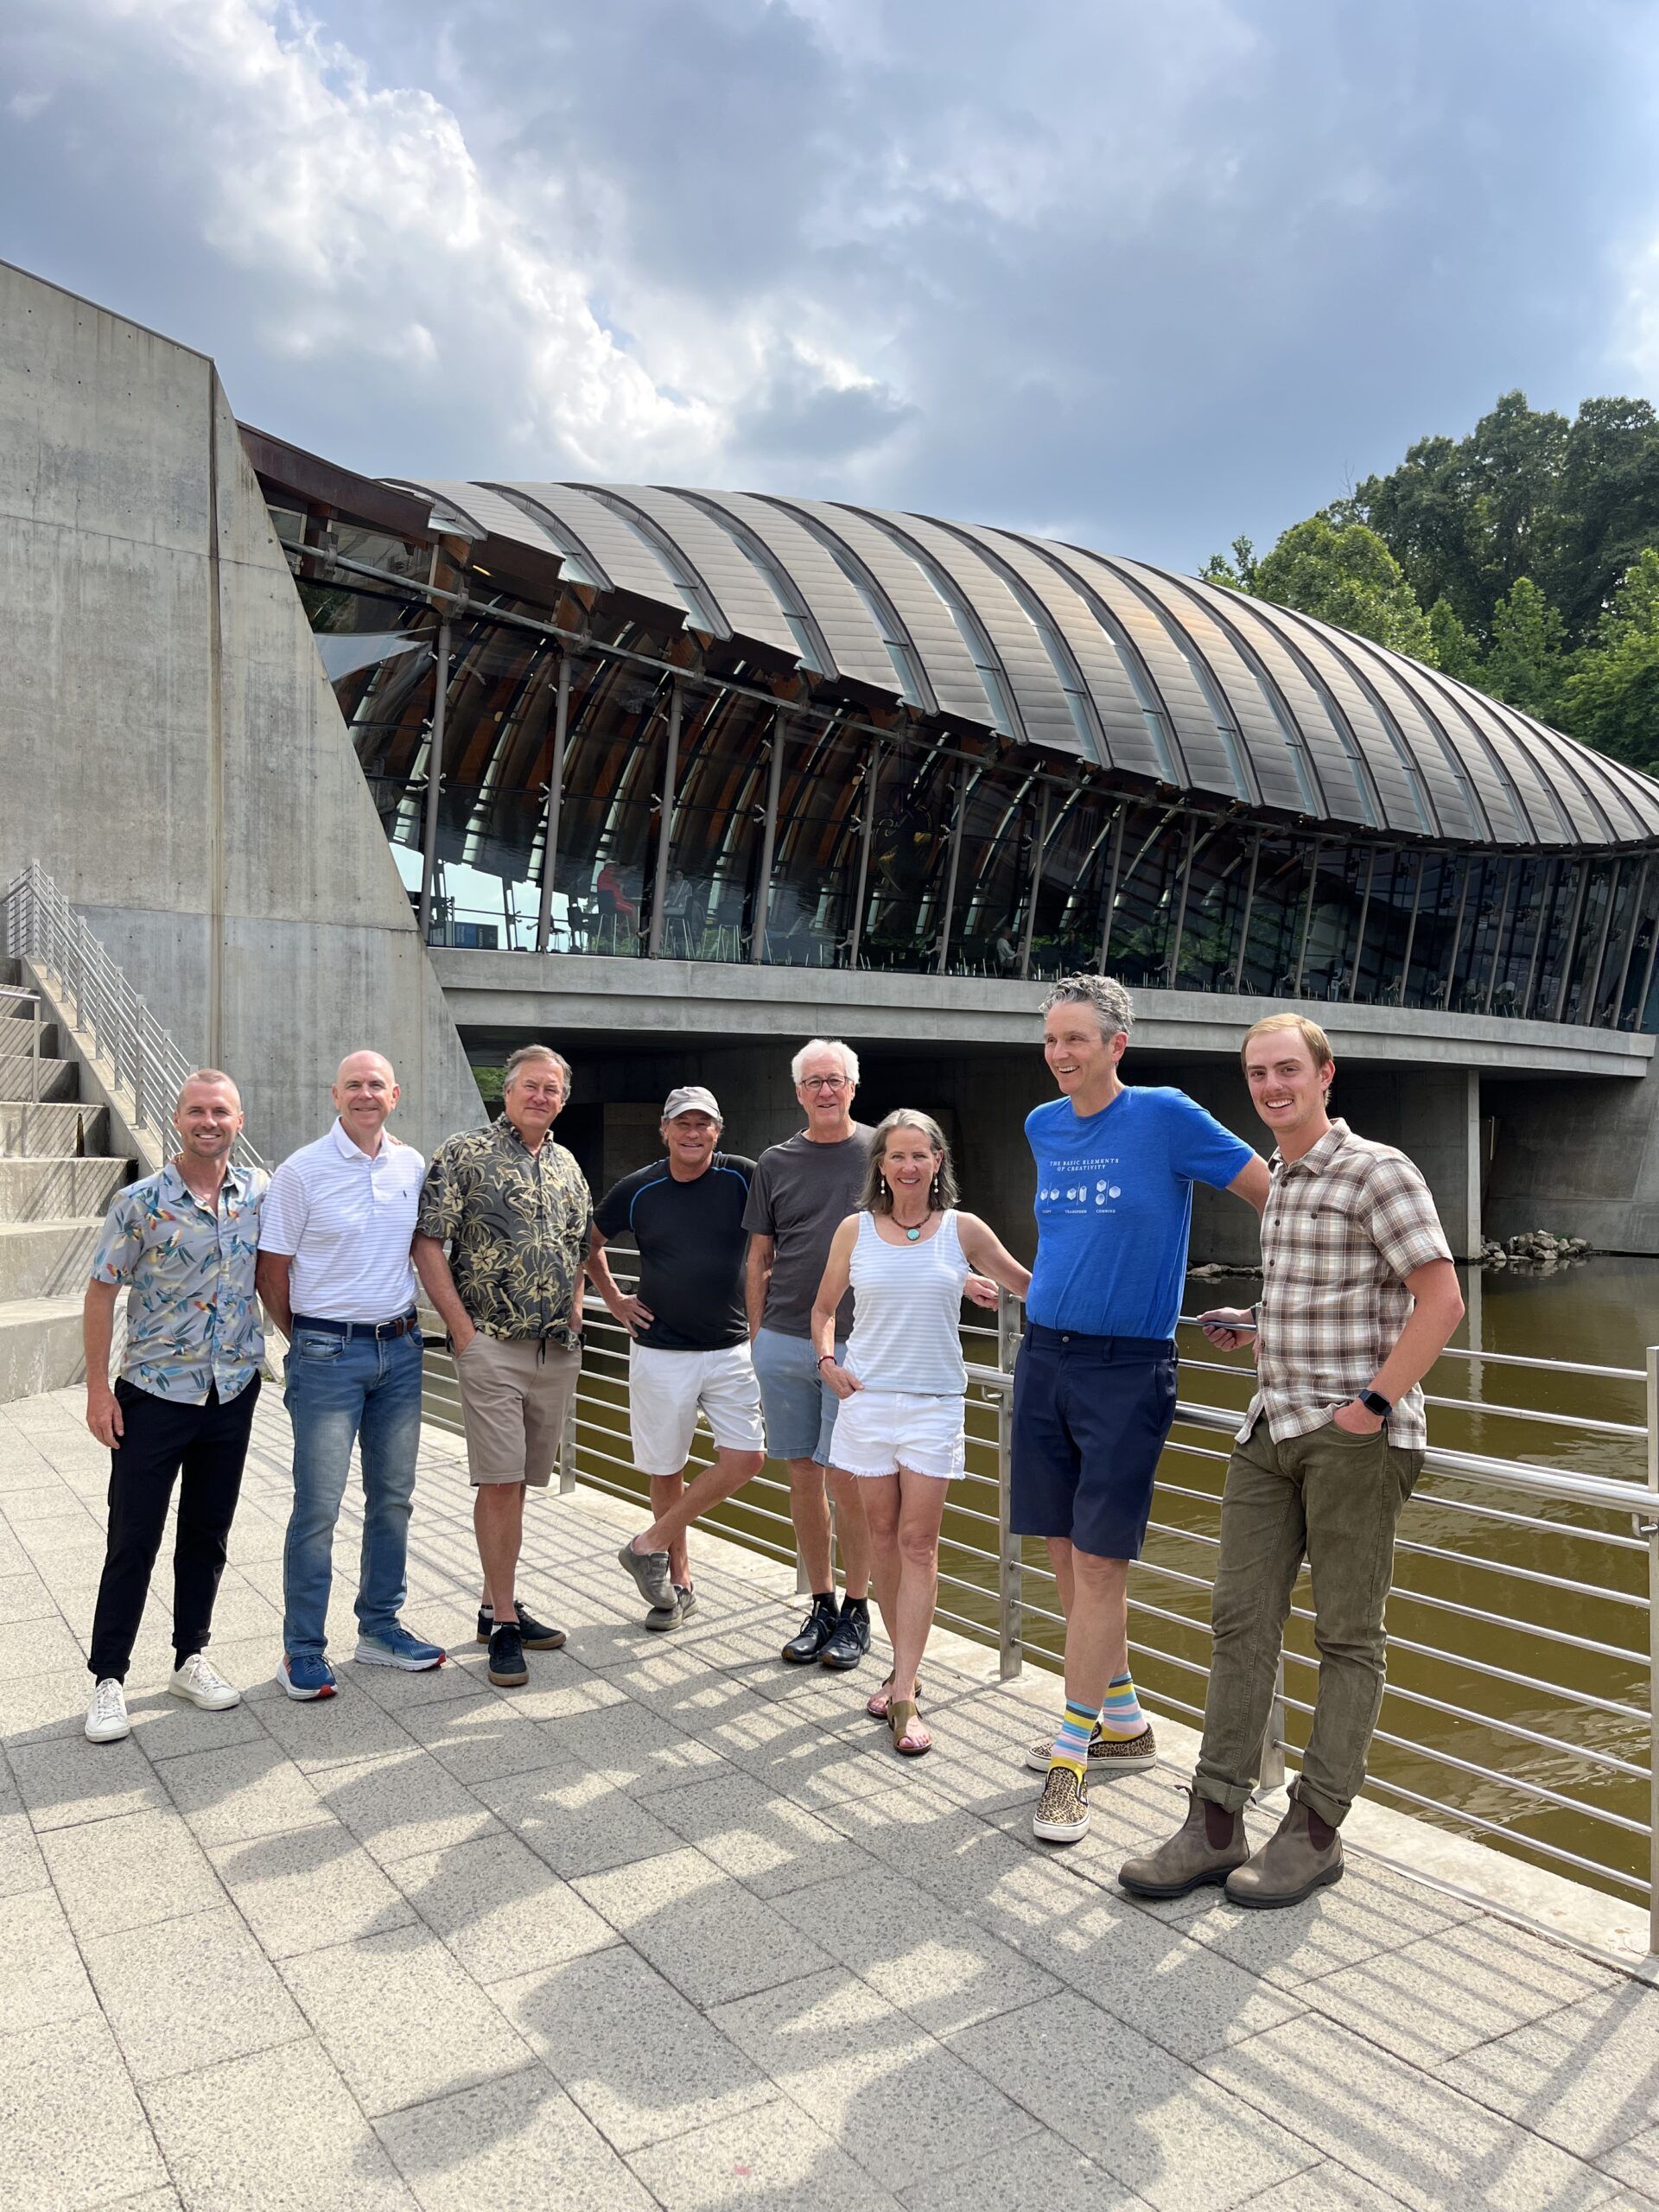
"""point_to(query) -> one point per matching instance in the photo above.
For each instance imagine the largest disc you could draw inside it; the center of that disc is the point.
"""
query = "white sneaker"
(203, 1685)
(106, 1716)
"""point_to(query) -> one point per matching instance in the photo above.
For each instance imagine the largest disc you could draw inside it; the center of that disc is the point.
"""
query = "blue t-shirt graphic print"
(1115, 1207)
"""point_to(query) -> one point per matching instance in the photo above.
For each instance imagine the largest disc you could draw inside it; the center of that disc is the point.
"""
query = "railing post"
(1010, 1616)
(1650, 1528)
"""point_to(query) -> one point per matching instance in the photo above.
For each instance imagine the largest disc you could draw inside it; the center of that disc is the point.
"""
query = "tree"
(1526, 665)
(1347, 575)
(1238, 574)
(1451, 647)
(1611, 699)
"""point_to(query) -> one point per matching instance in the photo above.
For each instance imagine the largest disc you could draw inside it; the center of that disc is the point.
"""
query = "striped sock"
(1121, 1716)
(1071, 1744)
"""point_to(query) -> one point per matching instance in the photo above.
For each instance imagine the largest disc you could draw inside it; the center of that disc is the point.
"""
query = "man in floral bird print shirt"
(183, 1244)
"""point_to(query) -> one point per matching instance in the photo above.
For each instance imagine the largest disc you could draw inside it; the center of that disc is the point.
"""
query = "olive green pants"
(1333, 1499)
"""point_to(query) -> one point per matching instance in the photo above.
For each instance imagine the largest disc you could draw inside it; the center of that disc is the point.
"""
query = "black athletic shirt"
(692, 1245)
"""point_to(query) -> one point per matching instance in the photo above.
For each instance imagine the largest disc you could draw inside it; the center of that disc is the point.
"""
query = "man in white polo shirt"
(336, 1279)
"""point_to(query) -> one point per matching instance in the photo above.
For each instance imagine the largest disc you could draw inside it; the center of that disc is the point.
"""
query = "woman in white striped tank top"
(908, 1256)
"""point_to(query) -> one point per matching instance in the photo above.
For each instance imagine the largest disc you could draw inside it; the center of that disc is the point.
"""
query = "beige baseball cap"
(692, 1099)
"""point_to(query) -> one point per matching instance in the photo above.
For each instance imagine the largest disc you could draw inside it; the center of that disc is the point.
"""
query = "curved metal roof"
(1116, 662)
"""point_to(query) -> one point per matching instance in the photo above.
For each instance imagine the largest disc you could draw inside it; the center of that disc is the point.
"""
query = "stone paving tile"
(700, 1930)
(773, 2158)
(641, 2062)
(501, 1910)
(1637, 2162)
(167, 1727)
(1388, 2121)
(770, 1843)
(1364, 1915)
(1185, 2143)
(937, 1965)
(1430, 2002)
(51, 2079)
(334, 1731)
(576, 1821)
(22, 1866)
(634, 1748)
(401, 2019)
(886, 2092)
(494, 2146)
(1329, 2187)
(1034, 2171)
(129, 1873)
(278, 2133)
(306, 1889)
(24, 1597)
(402, 1804)
(1586, 2076)
(479, 1739)
(67, 1780)
(182, 1993)
(40, 1970)
(235, 1795)
(41, 1707)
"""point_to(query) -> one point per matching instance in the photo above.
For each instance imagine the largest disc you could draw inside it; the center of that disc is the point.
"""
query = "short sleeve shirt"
(346, 1219)
(1343, 1226)
(801, 1193)
(192, 1321)
(1114, 1208)
(516, 1222)
(691, 1241)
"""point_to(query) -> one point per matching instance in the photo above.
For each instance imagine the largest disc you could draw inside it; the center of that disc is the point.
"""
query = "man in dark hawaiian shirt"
(514, 1210)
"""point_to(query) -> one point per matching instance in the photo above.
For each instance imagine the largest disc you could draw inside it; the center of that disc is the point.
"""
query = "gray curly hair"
(1104, 993)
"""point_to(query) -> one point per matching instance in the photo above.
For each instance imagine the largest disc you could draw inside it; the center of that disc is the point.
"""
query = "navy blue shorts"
(1091, 1415)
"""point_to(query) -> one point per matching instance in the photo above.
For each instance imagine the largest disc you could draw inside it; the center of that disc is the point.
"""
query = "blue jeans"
(337, 1392)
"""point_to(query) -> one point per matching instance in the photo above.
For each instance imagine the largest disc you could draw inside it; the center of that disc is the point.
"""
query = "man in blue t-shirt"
(1094, 1387)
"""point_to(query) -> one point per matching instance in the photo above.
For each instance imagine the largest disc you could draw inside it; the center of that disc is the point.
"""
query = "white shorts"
(665, 1389)
(877, 1432)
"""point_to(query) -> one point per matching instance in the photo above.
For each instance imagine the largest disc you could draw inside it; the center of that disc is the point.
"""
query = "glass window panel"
(1554, 949)
(1338, 892)
(720, 806)
(1072, 887)
(815, 862)
(1216, 893)
(1443, 876)
(613, 764)
(1586, 942)
(1276, 911)
(999, 841)
(1646, 909)
(1154, 845)
(909, 857)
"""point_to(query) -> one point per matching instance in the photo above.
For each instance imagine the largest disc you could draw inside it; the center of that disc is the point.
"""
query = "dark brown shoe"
(1208, 1847)
(1289, 1867)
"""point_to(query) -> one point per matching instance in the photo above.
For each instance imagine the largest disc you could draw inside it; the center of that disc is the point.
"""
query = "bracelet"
(830, 1356)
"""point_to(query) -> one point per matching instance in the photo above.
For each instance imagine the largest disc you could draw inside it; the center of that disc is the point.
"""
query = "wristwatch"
(1375, 1402)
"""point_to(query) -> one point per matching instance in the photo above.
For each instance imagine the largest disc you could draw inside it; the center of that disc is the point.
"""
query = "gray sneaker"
(661, 1618)
(1106, 1754)
(651, 1576)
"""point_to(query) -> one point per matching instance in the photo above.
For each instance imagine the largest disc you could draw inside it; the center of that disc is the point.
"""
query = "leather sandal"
(881, 1690)
(901, 1713)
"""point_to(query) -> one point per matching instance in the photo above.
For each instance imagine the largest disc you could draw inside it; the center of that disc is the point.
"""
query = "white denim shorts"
(877, 1432)
(666, 1389)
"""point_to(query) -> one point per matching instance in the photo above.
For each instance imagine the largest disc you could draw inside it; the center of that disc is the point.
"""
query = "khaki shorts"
(515, 1399)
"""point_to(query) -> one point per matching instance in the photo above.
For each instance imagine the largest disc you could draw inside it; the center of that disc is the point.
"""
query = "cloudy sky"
(1142, 273)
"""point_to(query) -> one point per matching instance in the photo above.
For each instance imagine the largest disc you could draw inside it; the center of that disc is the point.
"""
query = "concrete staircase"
(58, 1173)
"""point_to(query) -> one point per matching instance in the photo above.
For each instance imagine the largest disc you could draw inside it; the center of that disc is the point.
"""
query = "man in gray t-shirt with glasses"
(804, 1189)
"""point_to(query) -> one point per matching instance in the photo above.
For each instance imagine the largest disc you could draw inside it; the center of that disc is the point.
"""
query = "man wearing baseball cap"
(690, 1348)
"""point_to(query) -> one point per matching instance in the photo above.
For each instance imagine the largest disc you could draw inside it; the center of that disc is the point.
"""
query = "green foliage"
(1612, 696)
(489, 1083)
(1344, 574)
(1534, 543)
(1527, 664)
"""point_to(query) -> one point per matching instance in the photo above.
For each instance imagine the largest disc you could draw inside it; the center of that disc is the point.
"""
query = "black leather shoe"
(816, 1630)
(506, 1661)
(851, 1639)
(534, 1635)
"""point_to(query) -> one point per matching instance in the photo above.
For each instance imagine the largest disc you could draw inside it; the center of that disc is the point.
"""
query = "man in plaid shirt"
(1358, 1297)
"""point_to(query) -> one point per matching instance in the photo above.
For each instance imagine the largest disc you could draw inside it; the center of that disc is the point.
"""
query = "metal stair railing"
(38, 923)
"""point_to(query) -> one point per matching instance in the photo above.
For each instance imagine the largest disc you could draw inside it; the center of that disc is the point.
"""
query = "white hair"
(1103, 994)
(848, 1057)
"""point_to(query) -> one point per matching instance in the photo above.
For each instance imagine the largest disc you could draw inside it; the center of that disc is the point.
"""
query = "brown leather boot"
(1206, 1847)
(1291, 1865)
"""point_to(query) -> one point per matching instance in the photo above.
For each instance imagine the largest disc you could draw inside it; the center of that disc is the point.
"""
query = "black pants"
(209, 1443)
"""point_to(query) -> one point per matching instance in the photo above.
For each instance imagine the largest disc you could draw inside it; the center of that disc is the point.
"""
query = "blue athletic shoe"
(306, 1676)
(395, 1647)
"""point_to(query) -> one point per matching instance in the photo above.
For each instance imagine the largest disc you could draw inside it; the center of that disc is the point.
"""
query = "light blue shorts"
(799, 1409)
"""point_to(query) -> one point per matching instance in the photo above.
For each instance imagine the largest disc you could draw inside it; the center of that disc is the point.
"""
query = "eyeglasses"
(825, 1083)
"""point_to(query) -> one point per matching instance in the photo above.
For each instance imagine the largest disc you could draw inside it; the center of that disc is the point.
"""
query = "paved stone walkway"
(674, 1927)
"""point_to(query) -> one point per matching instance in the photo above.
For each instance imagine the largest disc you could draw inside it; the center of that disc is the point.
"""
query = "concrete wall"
(1576, 1157)
(175, 757)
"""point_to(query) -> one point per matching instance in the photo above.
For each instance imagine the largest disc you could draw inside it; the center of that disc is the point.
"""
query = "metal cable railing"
(37, 922)
(1520, 1702)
